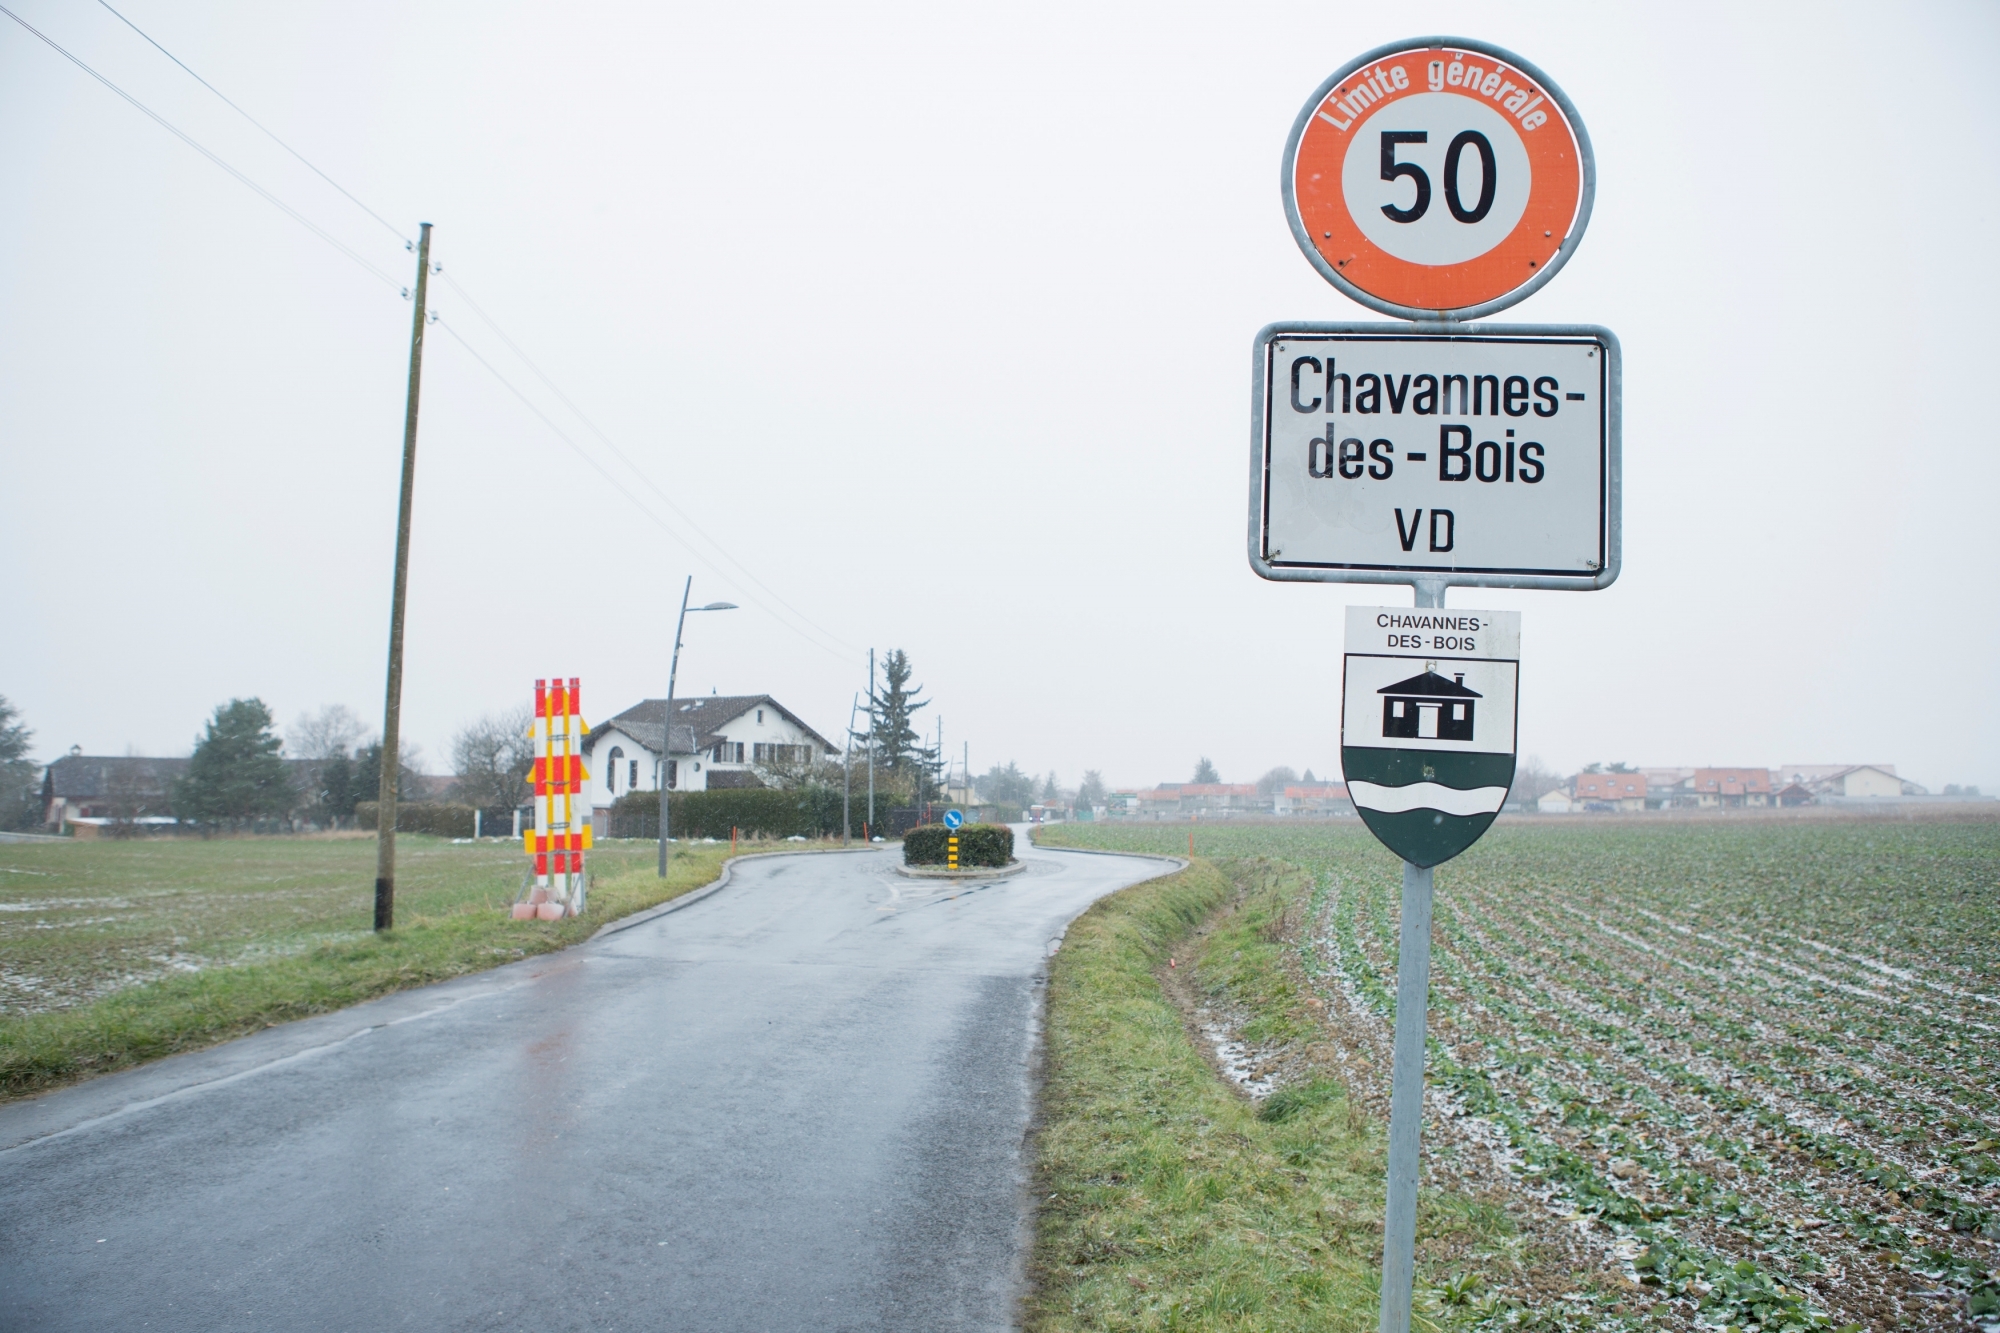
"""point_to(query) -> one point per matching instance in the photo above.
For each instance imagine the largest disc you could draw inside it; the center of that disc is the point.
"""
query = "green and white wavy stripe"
(1427, 806)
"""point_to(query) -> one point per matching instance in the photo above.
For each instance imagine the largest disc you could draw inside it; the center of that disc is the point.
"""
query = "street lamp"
(667, 726)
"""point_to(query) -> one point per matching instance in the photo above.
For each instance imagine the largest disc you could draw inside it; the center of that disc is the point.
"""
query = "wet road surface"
(796, 1104)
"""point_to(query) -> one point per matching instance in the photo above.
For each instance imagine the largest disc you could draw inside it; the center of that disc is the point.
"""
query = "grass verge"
(310, 954)
(1168, 1200)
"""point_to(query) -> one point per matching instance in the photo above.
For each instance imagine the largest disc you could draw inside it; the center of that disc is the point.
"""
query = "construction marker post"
(1433, 452)
(556, 886)
(951, 852)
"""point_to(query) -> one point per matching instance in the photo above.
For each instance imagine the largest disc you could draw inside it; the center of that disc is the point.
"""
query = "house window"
(760, 717)
(1458, 712)
(767, 752)
(611, 770)
(1396, 708)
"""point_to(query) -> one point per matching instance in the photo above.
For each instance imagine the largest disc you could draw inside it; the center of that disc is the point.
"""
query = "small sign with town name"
(1427, 726)
(1483, 457)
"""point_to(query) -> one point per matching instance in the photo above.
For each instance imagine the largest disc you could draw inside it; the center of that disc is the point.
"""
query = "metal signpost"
(1437, 180)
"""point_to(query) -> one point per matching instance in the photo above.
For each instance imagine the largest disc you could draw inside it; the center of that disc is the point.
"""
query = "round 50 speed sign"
(1438, 177)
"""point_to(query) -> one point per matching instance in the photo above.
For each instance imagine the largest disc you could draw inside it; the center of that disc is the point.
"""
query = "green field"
(113, 952)
(1715, 1073)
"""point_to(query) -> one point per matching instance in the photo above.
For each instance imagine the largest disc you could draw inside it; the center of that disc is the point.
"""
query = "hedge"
(435, 817)
(978, 845)
(810, 812)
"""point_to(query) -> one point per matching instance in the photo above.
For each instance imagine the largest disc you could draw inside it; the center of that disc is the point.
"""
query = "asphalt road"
(799, 1103)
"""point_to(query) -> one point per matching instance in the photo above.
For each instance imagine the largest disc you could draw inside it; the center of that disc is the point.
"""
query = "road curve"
(797, 1104)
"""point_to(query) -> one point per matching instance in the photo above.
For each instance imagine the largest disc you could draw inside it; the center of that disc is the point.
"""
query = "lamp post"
(667, 725)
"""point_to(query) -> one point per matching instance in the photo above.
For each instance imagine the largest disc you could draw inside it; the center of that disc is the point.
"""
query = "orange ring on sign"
(1562, 180)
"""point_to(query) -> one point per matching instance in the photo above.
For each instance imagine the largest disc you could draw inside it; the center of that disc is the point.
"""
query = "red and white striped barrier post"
(556, 844)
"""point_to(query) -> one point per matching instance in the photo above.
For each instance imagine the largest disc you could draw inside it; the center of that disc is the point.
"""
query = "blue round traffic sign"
(952, 819)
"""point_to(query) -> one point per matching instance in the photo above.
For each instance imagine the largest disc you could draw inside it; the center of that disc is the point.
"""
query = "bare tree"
(333, 730)
(800, 770)
(1532, 780)
(1275, 781)
(492, 758)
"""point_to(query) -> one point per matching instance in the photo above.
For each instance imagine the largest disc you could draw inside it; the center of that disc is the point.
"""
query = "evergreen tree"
(898, 747)
(1008, 787)
(1091, 790)
(338, 791)
(368, 775)
(1050, 791)
(235, 774)
(1205, 774)
(1309, 779)
(19, 806)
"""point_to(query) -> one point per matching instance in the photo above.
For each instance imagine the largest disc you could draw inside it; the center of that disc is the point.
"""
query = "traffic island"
(967, 872)
(958, 850)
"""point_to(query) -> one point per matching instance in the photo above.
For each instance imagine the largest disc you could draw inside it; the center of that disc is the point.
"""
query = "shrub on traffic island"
(978, 845)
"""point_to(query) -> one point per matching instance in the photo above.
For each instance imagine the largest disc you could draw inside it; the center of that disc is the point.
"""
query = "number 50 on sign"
(1432, 178)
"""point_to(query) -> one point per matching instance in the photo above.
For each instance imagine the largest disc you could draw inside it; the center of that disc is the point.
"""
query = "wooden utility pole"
(392, 707)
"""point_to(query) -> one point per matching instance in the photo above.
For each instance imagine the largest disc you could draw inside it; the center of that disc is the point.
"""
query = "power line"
(187, 139)
(618, 486)
(635, 469)
(393, 230)
(804, 626)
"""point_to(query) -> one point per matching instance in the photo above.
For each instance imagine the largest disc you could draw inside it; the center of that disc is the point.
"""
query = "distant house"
(1173, 800)
(1794, 794)
(1555, 803)
(1867, 782)
(1324, 799)
(1666, 787)
(125, 789)
(1731, 788)
(1428, 706)
(1620, 791)
(717, 741)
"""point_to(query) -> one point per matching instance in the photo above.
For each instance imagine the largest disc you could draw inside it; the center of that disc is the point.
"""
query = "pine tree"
(1090, 791)
(1008, 787)
(18, 804)
(235, 774)
(898, 747)
(1205, 774)
(338, 791)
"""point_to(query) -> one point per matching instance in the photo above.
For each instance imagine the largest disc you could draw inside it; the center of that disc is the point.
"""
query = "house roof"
(1609, 786)
(1730, 781)
(1178, 790)
(1430, 685)
(1319, 793)
(83, 777)
(703, 716)
(1886, 770)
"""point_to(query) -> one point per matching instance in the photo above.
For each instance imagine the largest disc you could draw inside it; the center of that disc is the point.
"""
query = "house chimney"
(1459, 677)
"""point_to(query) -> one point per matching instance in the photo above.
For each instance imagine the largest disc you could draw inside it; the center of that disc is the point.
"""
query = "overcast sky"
(936, 321)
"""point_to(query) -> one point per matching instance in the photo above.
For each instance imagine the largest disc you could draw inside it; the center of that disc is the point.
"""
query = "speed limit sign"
(1438, 178)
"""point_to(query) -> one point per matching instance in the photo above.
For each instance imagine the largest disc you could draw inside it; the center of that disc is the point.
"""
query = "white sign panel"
(1488, 457)
(1474, 657)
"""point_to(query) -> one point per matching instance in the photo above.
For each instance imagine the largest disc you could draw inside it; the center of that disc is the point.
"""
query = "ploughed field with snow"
(1752, 1068)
